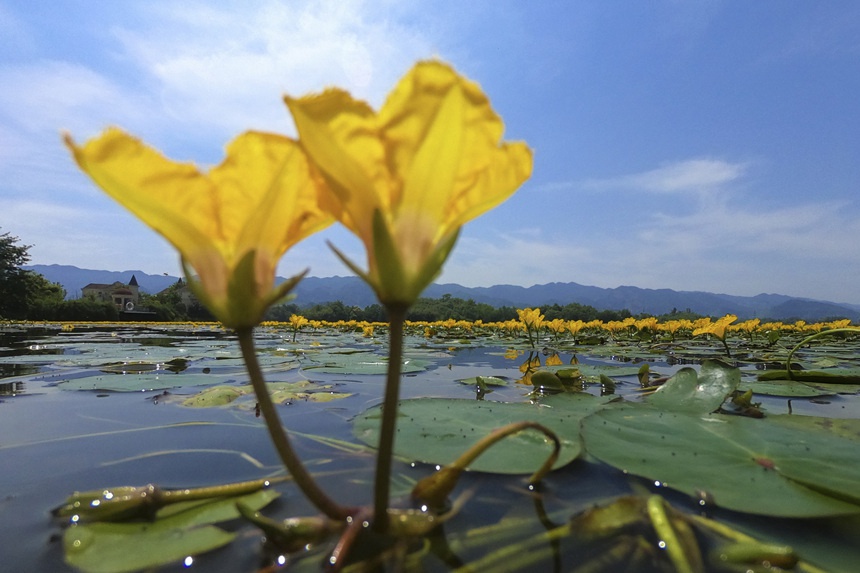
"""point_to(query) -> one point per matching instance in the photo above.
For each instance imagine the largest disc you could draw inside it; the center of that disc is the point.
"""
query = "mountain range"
(353, 292)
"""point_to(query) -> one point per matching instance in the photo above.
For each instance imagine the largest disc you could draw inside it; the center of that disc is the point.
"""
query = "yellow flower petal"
(230, 225)
(340, 134)
(431, 160)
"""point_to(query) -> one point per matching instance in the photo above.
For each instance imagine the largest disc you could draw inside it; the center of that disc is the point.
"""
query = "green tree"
(22, 292)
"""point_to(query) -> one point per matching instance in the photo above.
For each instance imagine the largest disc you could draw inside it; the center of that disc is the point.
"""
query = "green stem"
(435, 488)
(726, 346)
(809, 339)
(279, 436)
(382, 484)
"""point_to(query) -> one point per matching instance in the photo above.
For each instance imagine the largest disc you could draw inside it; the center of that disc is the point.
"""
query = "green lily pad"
(595, 370)
(281, 392)
(123, 547)
(830, 375)
(743, 464)
(129, 367)
(488, 380)
(785, 388)
(845, 427)
(836, 388)
(361, 363)
(213, 397)
(438, 430)
(156, 380)
(702, 392)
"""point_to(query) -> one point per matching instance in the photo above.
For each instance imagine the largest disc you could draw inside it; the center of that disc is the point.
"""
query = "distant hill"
(353, 292)
(74, 279)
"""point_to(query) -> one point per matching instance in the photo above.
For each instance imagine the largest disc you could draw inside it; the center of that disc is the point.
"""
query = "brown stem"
(279, 436)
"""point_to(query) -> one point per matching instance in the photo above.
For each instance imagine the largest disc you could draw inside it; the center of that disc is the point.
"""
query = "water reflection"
(11, 388)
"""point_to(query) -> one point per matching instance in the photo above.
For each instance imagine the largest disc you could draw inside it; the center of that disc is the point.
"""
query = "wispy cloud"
(229, 66)
(523, 258)
(689, 175)
(52, 95)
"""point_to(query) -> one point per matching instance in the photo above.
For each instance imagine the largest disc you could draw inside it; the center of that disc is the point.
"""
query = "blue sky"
(692, 145)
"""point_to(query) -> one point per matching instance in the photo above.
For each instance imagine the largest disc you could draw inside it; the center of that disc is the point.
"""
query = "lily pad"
(155, 380)
(702, 392)
(743, 464)
(438, 430)
(122, 547)
(281, 392)
(595, 370)
(362, 363)
(785, 388)
(830, 375)
(488, 380)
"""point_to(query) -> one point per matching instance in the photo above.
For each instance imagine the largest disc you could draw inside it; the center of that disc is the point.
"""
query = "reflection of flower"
(405, 179)
(230, 225)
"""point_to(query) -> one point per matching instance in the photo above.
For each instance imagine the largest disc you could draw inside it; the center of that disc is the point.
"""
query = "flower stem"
(382, 483)
(279, 436)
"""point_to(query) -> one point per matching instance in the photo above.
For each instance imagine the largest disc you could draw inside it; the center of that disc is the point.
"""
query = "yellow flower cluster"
(403, 179)
(558, 328)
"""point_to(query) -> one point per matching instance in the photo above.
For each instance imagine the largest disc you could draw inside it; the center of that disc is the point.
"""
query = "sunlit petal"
(406, 179)
(231, 225)
(340, 134)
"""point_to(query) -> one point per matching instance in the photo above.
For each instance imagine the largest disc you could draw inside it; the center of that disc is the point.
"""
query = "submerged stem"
(279, 436)
(382, 484)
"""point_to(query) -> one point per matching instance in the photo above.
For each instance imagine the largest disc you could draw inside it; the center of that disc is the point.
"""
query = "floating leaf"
(744, 464)
(488, 380)
(438, 430)
(361, 363)
(129, 367)
(702, 392)
(595, 370)
(281, 392)
(216, 396)
(830, 376)
(786, 388)
(122, 547)
(155, 380)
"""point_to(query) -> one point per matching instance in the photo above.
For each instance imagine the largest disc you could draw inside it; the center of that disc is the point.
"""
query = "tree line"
(437, 309)
(27, 295)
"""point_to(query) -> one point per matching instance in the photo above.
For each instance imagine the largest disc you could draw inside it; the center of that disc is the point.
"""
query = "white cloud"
(229, 66)
(51, 95)
(690, 175)
(521, 258)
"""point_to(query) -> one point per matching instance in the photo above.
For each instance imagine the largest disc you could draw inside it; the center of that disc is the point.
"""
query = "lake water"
(64, 427)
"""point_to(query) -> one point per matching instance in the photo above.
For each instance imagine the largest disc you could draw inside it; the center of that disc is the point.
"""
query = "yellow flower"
(717, 328)
(231, 225)
(531, 318)
(405, 179)
(297, 321)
